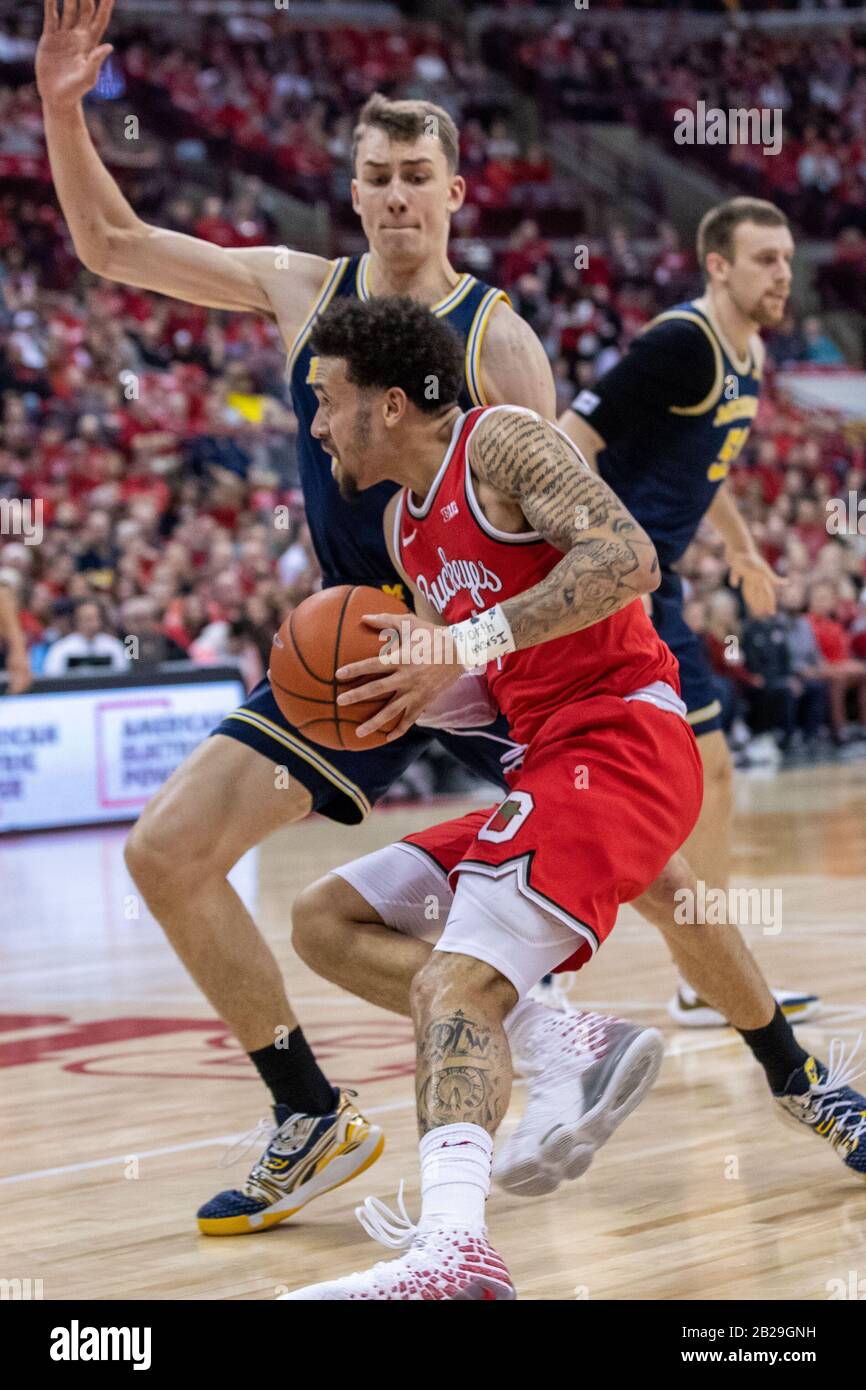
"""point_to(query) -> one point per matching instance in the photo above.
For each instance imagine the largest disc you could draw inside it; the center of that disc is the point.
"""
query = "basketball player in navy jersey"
(662, 428)
(226, 798)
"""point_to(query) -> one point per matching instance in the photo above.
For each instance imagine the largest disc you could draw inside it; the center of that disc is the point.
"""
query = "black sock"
(776, 1048)
(292, 1076)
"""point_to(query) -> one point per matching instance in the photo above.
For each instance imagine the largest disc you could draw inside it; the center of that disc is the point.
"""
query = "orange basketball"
(324, 633)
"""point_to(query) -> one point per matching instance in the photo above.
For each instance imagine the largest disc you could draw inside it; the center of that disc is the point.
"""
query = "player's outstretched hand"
(758, 581)
(420, 663)
(70, 55)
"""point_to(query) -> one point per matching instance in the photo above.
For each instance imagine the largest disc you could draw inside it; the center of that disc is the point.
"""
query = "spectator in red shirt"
(839, 669)
(213, 225)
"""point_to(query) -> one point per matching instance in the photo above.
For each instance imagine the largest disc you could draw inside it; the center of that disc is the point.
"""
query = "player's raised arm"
(109, 237)
(608, 559)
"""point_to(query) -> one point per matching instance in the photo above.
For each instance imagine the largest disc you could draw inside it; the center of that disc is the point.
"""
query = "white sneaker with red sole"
(454, 1265)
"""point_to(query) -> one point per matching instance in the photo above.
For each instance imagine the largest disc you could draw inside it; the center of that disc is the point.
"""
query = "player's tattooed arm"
(608, 559)
(460, 1071)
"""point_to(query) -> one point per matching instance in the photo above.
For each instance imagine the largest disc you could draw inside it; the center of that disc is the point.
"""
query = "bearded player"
(536, 570)
(663, 427)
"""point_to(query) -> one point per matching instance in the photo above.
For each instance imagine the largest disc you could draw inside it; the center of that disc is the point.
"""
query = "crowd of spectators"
(801, 675)
(158, 439)
(817, 82)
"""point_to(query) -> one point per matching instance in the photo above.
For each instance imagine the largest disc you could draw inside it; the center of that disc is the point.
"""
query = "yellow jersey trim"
(710, 399)
(323, 298)
(441, 307)
(474, 343)
(709, 711)
(304, 751)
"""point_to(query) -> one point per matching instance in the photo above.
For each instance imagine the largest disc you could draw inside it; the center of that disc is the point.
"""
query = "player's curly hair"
(393, 341)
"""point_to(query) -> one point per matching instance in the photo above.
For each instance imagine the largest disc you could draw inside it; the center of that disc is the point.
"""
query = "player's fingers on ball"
(378, 721)
(372, 691)
(370, 666)
(380, 619)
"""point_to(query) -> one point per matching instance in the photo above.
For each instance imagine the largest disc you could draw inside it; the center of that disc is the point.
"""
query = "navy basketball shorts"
(696, 675)
(346, 785)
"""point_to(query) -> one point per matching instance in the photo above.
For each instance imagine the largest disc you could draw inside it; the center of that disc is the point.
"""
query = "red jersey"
(464, 565)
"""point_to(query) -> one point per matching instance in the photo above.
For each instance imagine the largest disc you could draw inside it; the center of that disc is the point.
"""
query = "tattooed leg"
(464, 1063)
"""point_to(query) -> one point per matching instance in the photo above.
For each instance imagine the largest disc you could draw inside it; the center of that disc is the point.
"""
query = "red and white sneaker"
(453, 1264)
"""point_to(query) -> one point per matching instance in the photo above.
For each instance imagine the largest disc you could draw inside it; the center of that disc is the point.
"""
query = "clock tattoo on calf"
(460, 1074)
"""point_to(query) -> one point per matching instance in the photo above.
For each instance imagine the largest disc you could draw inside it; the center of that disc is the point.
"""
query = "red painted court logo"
(507, 818)
(358, 1050)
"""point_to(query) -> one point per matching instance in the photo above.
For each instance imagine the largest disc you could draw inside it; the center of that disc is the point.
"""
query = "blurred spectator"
(88, 648)
(838, 668)
(230, 643)
(722, 638)
(152, 645)
(818, 348)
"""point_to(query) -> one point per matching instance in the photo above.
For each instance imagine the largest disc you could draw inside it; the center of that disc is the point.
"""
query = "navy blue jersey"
(347, 536)
(674, 414)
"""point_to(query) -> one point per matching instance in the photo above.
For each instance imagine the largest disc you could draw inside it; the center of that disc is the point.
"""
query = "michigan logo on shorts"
(507, 818)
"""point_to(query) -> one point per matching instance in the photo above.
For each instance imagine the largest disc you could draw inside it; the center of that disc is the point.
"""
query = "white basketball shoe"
(586, 1072)
(452, 1264)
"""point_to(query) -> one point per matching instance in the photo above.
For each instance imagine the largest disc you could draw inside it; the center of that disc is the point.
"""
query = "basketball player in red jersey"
(532, 569)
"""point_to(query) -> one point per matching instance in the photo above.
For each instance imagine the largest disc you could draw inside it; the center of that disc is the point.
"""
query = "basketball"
(324, 633)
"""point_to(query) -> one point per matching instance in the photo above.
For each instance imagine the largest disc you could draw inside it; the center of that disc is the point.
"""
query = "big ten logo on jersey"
(507, 818)
(734, 407)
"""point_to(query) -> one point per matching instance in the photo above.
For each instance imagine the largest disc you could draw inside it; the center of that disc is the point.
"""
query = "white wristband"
(483, 637)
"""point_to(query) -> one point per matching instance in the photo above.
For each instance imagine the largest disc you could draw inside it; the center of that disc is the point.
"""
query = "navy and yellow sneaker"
(306, 1156)
(820, 1097)
(688, 1010)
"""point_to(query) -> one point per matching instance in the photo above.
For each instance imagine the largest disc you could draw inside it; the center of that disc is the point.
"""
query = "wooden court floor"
(122, 1092)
